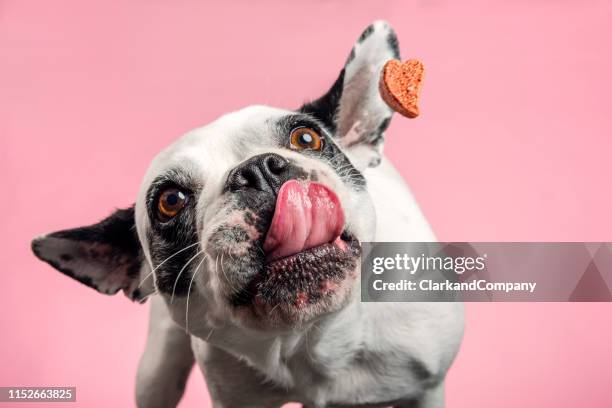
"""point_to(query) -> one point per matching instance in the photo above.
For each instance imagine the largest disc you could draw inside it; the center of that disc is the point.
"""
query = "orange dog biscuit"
(400, 84)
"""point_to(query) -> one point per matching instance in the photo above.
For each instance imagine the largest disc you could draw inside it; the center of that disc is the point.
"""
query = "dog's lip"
(347, 243)
(341, 242)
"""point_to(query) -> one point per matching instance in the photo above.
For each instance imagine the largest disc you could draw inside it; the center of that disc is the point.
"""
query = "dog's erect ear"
(106, 256)
(353, 108)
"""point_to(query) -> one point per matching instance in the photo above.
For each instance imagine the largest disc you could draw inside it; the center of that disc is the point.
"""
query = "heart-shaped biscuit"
(400, 84)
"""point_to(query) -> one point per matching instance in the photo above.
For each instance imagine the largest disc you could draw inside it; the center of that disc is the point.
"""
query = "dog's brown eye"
(170, 203)
(305, 138)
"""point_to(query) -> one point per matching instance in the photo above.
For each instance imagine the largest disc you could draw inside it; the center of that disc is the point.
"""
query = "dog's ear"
(106, 256)
(353, 108)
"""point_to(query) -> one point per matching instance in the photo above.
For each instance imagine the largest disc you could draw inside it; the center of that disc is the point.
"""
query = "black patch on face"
(256, 199)
(260, 203)
(169, 239)
(258, 207)
(330, 152)
(366, 33)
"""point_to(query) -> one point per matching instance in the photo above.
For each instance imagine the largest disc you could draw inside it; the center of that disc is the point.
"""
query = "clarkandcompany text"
(432, 285)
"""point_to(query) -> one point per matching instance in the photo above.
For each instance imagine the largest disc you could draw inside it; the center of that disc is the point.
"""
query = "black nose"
(266, 172)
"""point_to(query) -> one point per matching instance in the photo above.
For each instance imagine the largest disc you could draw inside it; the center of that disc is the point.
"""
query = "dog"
(246, 236)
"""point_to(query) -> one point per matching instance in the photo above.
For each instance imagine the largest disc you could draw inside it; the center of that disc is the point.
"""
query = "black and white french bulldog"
(246, 237)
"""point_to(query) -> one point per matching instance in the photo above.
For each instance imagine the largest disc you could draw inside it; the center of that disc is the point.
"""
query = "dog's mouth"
(308, 254)
(306, 215)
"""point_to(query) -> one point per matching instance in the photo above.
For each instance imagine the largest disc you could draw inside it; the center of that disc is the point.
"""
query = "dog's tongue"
(306, 215)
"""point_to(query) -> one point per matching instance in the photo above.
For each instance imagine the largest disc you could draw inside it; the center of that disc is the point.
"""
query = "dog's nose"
(265, 172)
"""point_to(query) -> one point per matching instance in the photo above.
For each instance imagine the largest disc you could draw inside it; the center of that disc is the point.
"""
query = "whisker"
(195, 272)
(260, 249)
(145, 278)
(144, 298)
(345, 166)
(216, 263)
(181, 272)
(165, 260)
(210, 334)
(271, 310)
(308, 353)
(227, 279)
(223, 270)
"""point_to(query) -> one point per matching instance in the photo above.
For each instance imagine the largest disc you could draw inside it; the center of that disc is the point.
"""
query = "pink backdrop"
(513, 143)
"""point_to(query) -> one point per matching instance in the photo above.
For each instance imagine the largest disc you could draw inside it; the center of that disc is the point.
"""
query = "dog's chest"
(325, 376)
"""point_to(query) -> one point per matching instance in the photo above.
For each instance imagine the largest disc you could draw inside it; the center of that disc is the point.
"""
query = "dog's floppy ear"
(353, 108)
(106, 256)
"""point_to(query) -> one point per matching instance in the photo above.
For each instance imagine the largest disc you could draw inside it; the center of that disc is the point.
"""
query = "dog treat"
(400, 85)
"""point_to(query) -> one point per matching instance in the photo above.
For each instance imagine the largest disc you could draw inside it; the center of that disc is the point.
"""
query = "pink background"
(513, 143)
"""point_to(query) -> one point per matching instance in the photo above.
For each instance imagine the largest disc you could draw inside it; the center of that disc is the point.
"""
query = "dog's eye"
(170, 203)
(305, 138)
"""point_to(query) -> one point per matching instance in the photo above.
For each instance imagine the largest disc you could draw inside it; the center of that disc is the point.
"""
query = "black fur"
(420, 370)
(167, 238)
(121, 254)
(326, 107)
(393, 44)
(366, 33)
(330, 151)
(118, 231)
(351, 56)
(384, 125)
(258, 207)
(265, 172)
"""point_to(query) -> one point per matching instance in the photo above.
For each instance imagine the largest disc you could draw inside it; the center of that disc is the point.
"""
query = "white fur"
(316, 364)
(364, 354)
(338, 352)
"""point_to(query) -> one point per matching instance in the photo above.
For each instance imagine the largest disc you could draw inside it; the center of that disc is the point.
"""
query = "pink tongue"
(306, 215)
